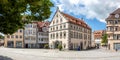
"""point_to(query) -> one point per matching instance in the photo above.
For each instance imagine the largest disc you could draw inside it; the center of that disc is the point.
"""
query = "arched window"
(60, 19)
(60, 34)
(56, 27)
(56, 35)
(53, 35)
(64, 25)
(64, 34)
(60, 26)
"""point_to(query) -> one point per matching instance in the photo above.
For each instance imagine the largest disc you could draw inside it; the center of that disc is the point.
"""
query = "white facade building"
(30, 35)
(36, 34)
(70, 32)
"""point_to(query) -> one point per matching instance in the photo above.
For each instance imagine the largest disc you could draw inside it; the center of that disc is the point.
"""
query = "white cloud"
(99, 9)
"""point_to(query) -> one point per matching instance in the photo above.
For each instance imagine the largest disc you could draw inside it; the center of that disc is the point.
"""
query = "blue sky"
(94, 12)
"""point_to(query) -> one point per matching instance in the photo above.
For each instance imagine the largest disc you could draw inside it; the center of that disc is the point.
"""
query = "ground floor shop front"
(114, 45)
(14, 44)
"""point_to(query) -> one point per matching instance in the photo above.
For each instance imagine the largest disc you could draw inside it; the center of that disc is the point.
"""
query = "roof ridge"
(75, 19)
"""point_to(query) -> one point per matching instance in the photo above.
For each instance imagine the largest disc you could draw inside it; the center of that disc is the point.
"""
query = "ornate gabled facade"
(113, 30)
(70, 32)
(42, 34)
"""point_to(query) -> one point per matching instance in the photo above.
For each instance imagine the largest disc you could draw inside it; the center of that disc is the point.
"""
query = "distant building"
(92, 40)
(98, 36)
(113, 30)
(15, 40)
(42, 34)
(30, 35)
(36, 34)
(70, 32)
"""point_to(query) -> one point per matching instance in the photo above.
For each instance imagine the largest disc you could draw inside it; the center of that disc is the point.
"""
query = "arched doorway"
(57, 43)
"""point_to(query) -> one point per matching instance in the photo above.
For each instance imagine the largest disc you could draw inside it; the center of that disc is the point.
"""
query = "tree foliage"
(12, 11)
(104, 39)
(1, 37)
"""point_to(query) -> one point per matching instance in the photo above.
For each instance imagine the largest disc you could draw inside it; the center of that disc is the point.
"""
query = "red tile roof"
(116, 11)
(112, 15)
(40, 25)
(76, 20)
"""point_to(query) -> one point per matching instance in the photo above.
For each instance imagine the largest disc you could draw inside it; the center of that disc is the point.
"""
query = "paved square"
(43, 54)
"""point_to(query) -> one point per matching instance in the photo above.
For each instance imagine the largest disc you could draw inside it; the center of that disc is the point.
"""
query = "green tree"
(12, 11)
(60, 47)
(104, 39)
(1, 37)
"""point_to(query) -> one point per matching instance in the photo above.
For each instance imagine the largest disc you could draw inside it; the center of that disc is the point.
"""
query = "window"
(60, 19)
(53, 22)
(34, 26)
(74, 34)
(41, 39)
(116, 36)
(116, 28)
(116, 21)
(34, 33)
(71, 34)
(20, 31)
(51, 29)
(20, 36)
(57, 15)
(60, 27)
(8, 36)
(51, 36)
(27, 38)
(56, 28)
(64, 34)
(56, 35)
(16, 36)
(60, 34)
(12, 36)
(64, 26)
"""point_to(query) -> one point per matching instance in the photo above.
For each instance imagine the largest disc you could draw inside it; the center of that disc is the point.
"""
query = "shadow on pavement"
(5, 58)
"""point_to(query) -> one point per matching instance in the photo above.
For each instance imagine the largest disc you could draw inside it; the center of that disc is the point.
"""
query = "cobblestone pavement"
(48, 54)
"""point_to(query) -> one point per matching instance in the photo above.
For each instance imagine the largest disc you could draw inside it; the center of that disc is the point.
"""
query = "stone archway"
(56, 44)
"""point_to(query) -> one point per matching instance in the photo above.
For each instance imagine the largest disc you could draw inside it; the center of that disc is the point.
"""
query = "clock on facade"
(116, 15)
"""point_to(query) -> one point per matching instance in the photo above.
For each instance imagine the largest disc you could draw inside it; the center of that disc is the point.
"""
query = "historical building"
(15, 40)
(36, 34)
(113, 30)
(70, 32)
(98, 36)
(30, 35)
(42, 34)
